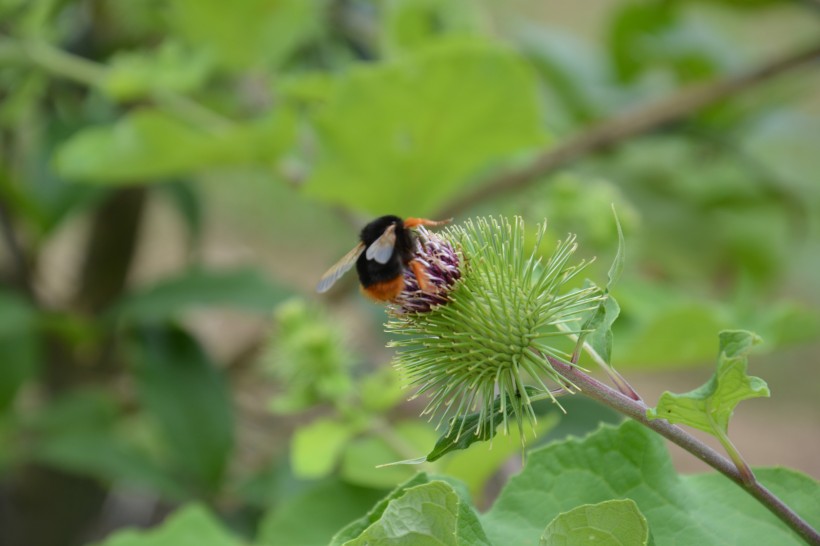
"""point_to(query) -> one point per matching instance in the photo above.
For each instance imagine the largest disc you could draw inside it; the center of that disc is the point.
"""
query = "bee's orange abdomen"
(385, 290)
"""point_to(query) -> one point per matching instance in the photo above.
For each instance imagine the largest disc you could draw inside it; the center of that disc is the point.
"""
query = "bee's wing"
(382, 248)
(339, 268)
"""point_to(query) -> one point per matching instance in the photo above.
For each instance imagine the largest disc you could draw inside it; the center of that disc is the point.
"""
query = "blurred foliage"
(285, 119)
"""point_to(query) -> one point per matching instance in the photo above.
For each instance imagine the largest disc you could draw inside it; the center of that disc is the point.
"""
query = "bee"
(384, 251)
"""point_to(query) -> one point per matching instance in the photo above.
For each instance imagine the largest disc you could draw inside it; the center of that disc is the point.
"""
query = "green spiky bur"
(481, 350)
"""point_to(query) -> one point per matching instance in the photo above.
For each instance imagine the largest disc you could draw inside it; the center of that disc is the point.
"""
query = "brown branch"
(618, 129)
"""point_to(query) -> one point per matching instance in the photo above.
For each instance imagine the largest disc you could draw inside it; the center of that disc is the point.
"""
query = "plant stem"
(636, 410)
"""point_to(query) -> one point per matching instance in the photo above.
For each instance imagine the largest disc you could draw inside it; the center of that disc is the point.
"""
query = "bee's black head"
(375, 229)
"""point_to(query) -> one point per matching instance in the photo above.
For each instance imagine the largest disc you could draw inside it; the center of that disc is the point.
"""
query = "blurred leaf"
(188, 398)
(84, 432)
(191, 525)
(362, 456)
(187, 201)
(381, 390)
(133, 75)
(661, 326)
(608, 523)
(575, 76)
(17, 315)
(632, 29)
(148, 145)
(431, 513)
(646, 35)
(311, 518)
(243, 288)
(315, 448)
(19, 345)
(631, 462)
(412, 24)
(404, 136)
(253, 33)
(710, 406)
(21, 356)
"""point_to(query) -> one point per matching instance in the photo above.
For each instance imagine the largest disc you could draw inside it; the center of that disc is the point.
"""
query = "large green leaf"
(187, 397)
(710, 406)
(148, 145)
(244, 289)
(429, 513)
(403, 136)
(192, 525)
(609, 523)
(311, 518)
(632, 462)
(252, 33)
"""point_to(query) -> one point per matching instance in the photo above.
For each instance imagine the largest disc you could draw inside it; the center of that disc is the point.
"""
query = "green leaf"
(252, 34)
(412, 24)
(20, 362)
(631, 462)
(381, 390)
(599, 324)
(244, 289)
(710, 406)
(664, 327)
(315, 448)
(363, 458)
(148, 145)
(609, 523)
(19, 345)
(186, 199)
(477, 466)
(192, 525)
(188, 399)
(631, 27)
(311, 518)
(133, 75)
(84, 432)
(461, 432)
(404, 136)
(430, 513)
(357, 527)
(17, 315)
(617, 266)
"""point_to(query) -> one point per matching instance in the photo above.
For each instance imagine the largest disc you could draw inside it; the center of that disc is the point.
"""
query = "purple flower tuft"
(440, 261)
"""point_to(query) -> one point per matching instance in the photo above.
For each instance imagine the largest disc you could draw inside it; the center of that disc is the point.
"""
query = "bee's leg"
(415, 222)
(421, 276)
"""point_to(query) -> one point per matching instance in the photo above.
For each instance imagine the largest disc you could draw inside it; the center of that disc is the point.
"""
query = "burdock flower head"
(477, 344)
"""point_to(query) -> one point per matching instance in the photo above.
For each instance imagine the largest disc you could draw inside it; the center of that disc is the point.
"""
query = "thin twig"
(613, 131)
(636, 410)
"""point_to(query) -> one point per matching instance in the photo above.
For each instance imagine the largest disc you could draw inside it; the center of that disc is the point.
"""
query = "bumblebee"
(384, 251)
